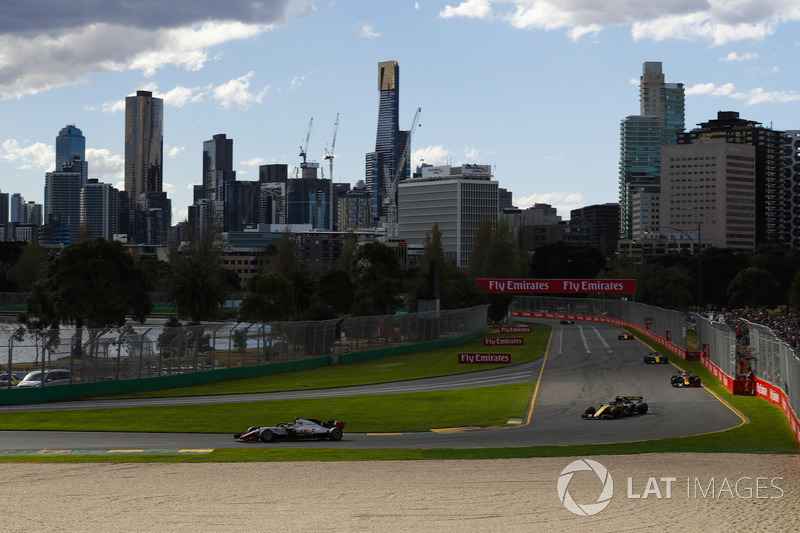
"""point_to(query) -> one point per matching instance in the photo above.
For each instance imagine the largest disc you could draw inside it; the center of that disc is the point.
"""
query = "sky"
(534, 88)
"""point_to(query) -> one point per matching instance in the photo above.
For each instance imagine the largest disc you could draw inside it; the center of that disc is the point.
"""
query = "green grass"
(416, 411)
(431, 363)
(767, 433)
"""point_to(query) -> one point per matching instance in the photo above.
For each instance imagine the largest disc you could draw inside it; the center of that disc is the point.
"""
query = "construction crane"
(304, 146)
(391, 191)
(329, 157)
(329, 154)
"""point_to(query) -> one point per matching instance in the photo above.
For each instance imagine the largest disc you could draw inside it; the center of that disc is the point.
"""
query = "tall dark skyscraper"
(382, 164)
(217, 166)
(144, 148)
(70, 145)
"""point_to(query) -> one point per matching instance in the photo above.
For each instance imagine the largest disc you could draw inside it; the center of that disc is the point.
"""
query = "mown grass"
(767, 433)
(409, 412)
(430, 363)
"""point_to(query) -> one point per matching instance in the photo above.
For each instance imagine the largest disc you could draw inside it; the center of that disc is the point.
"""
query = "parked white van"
(56, 376)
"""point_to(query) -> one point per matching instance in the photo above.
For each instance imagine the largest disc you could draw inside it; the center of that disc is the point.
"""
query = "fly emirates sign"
(560, 286)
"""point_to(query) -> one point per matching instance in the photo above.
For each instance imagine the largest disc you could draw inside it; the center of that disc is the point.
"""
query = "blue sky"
(535, 88)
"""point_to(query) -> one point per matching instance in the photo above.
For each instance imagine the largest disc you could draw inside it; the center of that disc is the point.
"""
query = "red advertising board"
(557, 286)
(483, 358)
(503, 341)
(515, 329)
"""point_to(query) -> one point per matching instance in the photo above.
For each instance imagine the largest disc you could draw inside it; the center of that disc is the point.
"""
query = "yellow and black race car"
(619, 406)
(655, 357)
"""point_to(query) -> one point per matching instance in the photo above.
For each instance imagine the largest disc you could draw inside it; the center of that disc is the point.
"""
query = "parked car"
(56, 376)
(9, 380)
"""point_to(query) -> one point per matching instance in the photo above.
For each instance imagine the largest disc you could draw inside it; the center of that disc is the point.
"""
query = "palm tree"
(197, 285)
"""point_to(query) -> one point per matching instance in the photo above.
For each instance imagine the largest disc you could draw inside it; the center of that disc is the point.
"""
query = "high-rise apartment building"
(458, 198)
(769, 186)
(70, 145)
(98, 209)
(62, 198)
(791, 181)
(144, 146)
(382, 164)
(661, 119)
(708, 192)
(602, 221)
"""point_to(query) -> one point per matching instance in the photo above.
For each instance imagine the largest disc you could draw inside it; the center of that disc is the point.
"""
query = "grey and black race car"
(655, 357)
(302, 428)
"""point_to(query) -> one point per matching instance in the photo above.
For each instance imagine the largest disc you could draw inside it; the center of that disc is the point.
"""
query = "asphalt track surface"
(585, 365)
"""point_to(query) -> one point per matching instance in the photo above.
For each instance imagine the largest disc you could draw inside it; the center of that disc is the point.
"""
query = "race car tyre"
(266, 435)
(641, 408)
(589, 411)
(646, 358)
(665, 360)
(336, 434)
(614, 412)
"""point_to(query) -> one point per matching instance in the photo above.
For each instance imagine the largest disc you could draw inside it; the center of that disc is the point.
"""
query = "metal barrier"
(137, 352)
(671, 325)
(775, 362)
(717, 341)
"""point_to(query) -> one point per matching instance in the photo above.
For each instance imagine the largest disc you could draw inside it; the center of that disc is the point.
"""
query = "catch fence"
(143, 351)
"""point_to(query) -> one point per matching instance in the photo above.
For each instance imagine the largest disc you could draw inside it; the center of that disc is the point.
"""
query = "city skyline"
(538, 98)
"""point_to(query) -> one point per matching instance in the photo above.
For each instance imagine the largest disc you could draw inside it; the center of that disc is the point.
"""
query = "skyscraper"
(217, 166)
(661, 119)
(70, 145)
(769, 167)
(382, 164)
(144, 146)
(62, 198)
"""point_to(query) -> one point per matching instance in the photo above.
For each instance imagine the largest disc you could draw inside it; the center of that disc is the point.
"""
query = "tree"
(93, 284)
(564, 261)
(718, 267)
(29, 267)
(270, 297)
(335, 289)
(378, 277)
(753, 287)
(303, 286)
(479, 255)
(349, 247)
(197, 285)
(284, 260)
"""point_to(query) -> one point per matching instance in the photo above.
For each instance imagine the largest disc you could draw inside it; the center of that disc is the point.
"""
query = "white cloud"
(174, 151)
(297, 81)
(711, 89)
(237, 92)
(430, 155)
(717, 21)
(366, 30)
(255, 162)
(104, 165)
(37, 155)
(734, 56)
(473, 9)
(34, 64)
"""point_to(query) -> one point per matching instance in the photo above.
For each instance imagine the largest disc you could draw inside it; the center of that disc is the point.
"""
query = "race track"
(585, 365)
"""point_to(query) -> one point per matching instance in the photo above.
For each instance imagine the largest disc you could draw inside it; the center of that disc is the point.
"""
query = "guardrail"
(776, 362)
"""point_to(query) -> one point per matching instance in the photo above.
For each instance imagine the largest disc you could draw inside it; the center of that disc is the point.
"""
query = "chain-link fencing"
(668, 324)
(775, 361)
(143, 351)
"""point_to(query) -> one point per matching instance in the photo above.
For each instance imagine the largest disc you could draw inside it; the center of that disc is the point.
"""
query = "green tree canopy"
(335, 289)
(29, 267)
(93, 284)
(378, 277)
(753, 287)
(270, 297)
(197, 285)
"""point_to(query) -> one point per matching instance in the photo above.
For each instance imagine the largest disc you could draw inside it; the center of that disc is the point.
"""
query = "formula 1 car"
(625, 336)
(565, 321)
(655, 357)
(685, 379)
(302, 428)
(619, 406)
